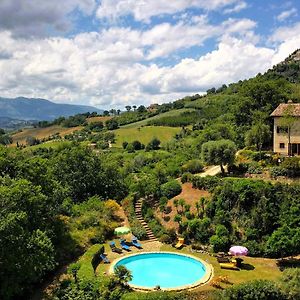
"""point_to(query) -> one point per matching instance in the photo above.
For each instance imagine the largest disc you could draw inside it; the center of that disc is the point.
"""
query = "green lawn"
(144, 134)
(257, 268)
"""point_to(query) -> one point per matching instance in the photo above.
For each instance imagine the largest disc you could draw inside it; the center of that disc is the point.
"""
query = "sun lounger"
(230, 266)
(114, 248)
(104, 259)
(124, 245)
(223, 260)
(179, 243)
(135, 243)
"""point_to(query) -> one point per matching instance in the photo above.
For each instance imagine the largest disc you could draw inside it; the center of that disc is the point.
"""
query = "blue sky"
(112, 53)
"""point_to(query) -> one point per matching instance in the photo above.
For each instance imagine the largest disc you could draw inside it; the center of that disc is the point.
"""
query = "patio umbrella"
(238, 250)
(122, 230)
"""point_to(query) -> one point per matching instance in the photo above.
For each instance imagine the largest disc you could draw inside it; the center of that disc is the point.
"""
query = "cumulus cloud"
(236, 8)
(85, 69)
(286, 39)
(36, 18)
(286, 14)
(143, 10)
(117, 65)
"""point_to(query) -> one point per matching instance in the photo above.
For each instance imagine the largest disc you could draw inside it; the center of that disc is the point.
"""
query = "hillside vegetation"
(56, 202)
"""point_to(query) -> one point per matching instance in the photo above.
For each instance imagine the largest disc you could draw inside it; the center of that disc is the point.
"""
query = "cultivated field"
(41, 133)
(144, 134)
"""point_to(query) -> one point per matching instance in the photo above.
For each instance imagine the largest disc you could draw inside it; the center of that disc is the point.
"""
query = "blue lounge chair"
(136, 243)
(124, 245)
(114, 248)
(104, 258)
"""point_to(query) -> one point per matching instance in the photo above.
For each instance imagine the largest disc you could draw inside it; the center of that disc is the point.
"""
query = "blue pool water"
(164, 269)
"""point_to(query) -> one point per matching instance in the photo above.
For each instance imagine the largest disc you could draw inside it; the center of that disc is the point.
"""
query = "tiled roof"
(293, 108)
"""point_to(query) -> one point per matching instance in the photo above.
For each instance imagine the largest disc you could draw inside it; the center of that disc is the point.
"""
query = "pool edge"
(204, 280)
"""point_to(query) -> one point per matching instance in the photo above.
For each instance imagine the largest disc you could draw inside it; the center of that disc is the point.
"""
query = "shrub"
(186, 177)
(278, 171)
(193, 166)
(206, 183)
(292, 165)
(171, 189)
(255, 249)
(137, 145)
(139, 231)
(253, 290)
(155, 296)
(254, 169)
(290, 283)
(153, 144)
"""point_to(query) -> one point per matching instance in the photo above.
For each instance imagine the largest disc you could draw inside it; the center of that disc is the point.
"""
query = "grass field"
(41, 133)
(172, 113)
(144, 134)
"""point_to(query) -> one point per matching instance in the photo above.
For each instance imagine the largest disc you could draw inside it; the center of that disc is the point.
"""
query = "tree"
(178, 219)
(134, 107)
(123, 275)
(141, 109)
(170, 189)
(220, 241)
(5, 139)
(283, 242)
(26, 228)
(112, 124)
(128, 107)
(220, 152)
(153, 144)
(258, 135)
(181, 202)
(200, 207)
(105, 113)
(175, 202)
(113, 111)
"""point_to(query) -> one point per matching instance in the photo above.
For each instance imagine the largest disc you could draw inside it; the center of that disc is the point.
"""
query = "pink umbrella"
(238, 250)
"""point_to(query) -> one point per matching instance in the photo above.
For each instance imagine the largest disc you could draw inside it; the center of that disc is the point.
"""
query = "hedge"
(155, 296)
(89, 262)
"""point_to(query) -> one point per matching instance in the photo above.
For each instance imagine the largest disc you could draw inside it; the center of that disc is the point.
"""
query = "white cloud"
(286, 40)
(33, 18)
(116, 66)
(97, 69)
(286, 14)
(143, 10)
(236, 8)
(233, 60)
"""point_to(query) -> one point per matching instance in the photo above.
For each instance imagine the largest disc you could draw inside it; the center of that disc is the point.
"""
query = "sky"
(113, 53)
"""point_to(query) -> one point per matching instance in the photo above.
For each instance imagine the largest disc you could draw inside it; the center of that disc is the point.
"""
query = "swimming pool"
(169, 271)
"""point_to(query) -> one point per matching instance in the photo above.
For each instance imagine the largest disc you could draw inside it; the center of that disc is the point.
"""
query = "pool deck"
(203, 280)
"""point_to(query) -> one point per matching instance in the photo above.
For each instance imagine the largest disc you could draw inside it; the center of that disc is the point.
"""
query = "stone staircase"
(139, 216)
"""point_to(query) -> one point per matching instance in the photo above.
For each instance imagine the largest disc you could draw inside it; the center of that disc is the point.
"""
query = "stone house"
(286, 140)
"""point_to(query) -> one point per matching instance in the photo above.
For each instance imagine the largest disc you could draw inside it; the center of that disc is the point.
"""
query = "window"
(282, 129)
(281, 145)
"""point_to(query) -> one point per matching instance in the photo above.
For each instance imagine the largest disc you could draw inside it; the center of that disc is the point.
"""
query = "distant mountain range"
(14, 111)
